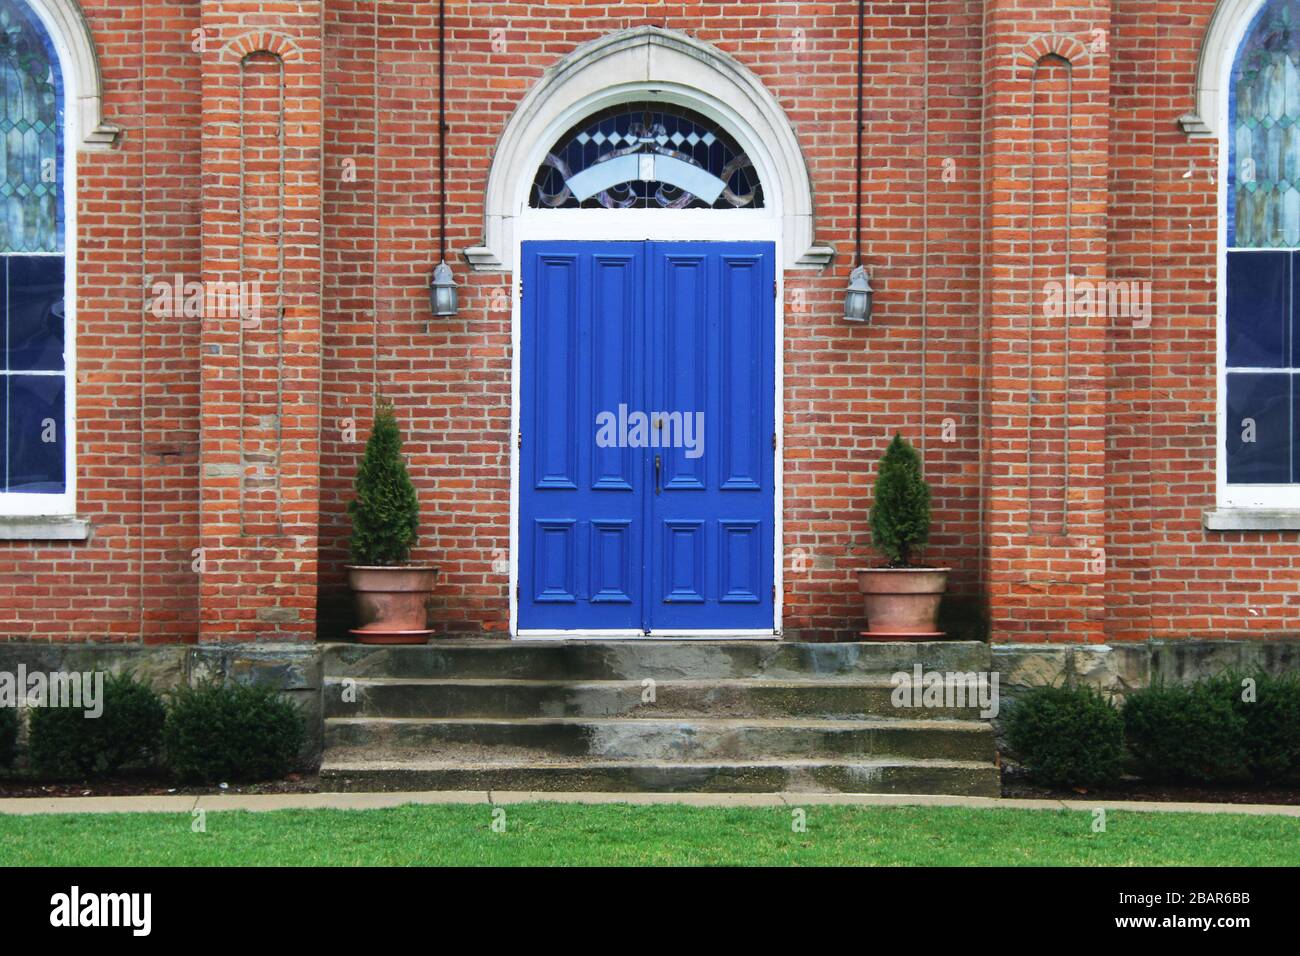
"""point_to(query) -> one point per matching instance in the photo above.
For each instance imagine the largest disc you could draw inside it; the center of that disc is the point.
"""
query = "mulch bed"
(1016, 784)
(149, 785)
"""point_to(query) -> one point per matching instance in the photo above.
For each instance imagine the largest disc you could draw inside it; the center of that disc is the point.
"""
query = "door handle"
(658, 467)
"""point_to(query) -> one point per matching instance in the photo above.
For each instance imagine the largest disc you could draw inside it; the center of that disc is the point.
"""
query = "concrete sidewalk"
(371, 801)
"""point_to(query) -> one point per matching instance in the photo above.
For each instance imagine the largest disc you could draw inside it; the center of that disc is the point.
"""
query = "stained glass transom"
(646, 156)
(1264, 119)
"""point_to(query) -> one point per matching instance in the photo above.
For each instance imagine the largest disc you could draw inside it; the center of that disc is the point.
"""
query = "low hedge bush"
(1269, 706)
(64, 742)
(1067, 736)
(218, 732)
(8, 735)
(1193, 733)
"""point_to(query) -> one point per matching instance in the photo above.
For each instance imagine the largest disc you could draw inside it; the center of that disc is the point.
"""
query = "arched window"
(34, 401)
(646, 156)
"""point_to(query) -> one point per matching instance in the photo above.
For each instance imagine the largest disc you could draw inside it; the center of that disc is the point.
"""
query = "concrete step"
(420, 697)
(893, 775)
(636, 659)
(482, 739)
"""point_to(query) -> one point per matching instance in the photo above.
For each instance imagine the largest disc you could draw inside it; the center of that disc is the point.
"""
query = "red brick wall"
(137, 376)
(1138, 120)
(262, 206)
(847, 388)
(1108, 546)
(1199, 583)
(1046, 142)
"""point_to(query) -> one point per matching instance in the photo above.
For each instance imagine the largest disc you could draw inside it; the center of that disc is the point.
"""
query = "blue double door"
(647, 436)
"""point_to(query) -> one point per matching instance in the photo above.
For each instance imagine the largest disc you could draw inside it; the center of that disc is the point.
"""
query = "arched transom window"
(646, 156)
(1260, 334)
(34, 476)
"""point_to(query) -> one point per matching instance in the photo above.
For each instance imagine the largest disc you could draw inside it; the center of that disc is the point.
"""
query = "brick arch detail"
(262, 41)
(1047, 45)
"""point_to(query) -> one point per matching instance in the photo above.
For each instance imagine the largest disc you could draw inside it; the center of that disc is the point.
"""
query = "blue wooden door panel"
(674, 532)
(710, 322)
(581, 505)
(741, 562)
(555, 421)
(681, 350)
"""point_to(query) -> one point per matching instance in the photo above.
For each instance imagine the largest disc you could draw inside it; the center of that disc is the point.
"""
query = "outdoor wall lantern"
(442, 287)
(857, 298)
(442, 291)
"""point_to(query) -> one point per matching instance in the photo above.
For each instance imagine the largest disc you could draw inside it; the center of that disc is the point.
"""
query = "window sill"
(44, 528)
(1251, 519)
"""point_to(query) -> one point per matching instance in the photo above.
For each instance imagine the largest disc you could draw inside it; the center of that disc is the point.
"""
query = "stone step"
(893, 775)
(636, 659)
(484, 739)
(420, 697)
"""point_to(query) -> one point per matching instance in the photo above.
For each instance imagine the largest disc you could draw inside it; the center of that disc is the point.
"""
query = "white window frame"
(20, 504)
(1236, 497)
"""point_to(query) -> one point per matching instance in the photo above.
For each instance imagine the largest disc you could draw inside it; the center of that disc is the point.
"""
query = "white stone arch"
(1224, 34)
(71, 35)
(679, 68)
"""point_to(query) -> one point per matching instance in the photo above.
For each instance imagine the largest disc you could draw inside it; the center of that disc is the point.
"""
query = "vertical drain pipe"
(857, 233)
(442, 287)
(442, 132)
(857, 298)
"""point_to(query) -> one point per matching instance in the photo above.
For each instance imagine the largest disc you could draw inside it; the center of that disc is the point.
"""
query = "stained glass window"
(646, 156)
(31, 127)
(34, 370)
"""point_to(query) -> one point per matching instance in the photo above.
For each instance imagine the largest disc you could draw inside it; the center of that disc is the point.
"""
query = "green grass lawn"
(623, 835)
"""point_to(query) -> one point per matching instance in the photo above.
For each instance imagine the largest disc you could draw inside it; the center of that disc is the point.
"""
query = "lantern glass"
(858, 297)
(442, 291)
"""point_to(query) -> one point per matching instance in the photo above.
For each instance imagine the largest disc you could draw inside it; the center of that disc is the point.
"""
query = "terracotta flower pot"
(390, 602)
(902, 602)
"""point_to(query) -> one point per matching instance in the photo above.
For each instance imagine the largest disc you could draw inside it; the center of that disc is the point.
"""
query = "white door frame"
(612, 225)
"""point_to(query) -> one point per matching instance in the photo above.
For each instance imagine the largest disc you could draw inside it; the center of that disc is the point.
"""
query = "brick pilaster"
(262, 134)
(1046, 135)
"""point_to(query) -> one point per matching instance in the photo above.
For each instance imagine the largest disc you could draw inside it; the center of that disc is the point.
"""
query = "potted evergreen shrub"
(390, 593)
(902, 599)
